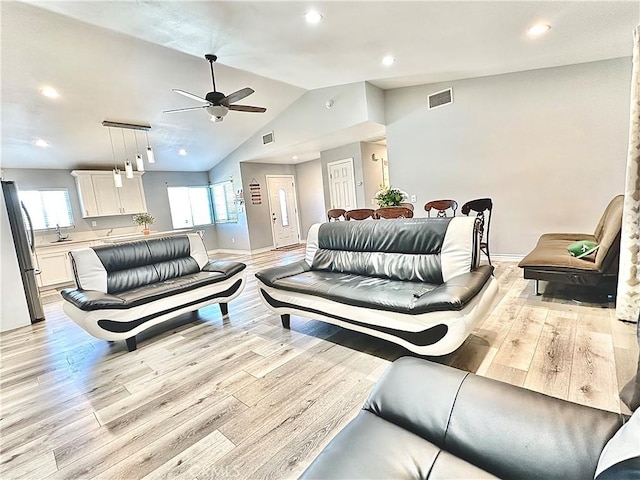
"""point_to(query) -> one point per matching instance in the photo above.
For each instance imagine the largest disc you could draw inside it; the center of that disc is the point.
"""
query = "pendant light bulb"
(150, 156)
(139, 163)
(117, 178)
(128, 168)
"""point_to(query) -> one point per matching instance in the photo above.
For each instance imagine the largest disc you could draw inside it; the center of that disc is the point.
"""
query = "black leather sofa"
(415, 282)
(126, 288)
(426, 420)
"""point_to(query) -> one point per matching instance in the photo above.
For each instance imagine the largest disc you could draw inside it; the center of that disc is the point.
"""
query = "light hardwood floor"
(241, 397)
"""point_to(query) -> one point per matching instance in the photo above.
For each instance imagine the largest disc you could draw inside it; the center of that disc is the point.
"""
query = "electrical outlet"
(233, 240)
(94, 223)
(414, 198)
(373, 201)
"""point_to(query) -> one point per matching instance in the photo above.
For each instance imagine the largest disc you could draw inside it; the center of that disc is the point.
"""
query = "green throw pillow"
(582, 248)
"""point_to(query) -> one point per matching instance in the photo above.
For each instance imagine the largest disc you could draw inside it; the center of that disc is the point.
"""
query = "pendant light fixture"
(139, 162)
(150, 156)
(117, 178)
(128, 164)
(128, 168)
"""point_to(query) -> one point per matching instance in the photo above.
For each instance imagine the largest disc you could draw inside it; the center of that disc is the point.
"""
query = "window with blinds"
(224, 205)
(48, 208)
(203, 205)
(190, 206)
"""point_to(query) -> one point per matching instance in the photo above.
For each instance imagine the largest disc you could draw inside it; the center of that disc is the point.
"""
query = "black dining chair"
(483, 208)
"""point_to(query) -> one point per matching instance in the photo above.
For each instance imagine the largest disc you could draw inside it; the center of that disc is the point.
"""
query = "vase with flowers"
(389, 197)
(144, 220)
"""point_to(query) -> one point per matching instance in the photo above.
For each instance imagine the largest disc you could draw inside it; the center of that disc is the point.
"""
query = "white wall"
(306, 119)
(310, 195)
(549, 146)
(372, 171)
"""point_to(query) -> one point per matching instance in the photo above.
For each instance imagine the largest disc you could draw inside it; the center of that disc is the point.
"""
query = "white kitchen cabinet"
(99, 197)
(54, 268)
(53, 262)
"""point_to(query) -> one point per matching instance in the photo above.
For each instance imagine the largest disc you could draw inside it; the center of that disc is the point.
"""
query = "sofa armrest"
(269, 276)
(456, 293)
(228, 269)
(89, 300)
(503, 429)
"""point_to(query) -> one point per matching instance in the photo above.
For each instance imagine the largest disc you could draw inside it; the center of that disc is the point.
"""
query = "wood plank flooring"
(241, 397)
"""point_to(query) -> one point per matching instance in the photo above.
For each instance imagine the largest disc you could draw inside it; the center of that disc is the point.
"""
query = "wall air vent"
(267, 138)
(440, 99)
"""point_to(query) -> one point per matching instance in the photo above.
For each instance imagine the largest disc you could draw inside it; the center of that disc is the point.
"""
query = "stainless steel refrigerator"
(23, 239)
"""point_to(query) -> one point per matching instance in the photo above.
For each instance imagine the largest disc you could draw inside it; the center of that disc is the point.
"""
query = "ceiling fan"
(217, 104)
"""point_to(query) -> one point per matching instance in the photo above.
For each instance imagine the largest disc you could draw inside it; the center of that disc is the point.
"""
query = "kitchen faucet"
(60, 236)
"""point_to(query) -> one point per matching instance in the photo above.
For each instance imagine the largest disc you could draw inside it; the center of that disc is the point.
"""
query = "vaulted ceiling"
(119, 61)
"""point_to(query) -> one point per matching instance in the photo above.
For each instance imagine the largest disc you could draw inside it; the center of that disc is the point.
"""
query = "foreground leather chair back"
(482, 207)
(445, 423)
(358, 214)
(441, 207)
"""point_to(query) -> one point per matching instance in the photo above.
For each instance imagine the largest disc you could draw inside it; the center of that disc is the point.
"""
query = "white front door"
(342, 184)
(283, 210)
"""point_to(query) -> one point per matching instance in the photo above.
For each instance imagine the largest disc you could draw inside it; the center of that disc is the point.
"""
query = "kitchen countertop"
(43, 243)
(140, 236)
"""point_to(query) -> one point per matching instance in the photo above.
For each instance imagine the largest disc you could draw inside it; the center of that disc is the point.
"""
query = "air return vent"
(267, 138)
(440, 99)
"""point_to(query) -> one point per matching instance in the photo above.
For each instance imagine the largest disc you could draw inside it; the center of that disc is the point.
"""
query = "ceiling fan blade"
(247, 108)
(235, 96)
(185, 109)
(190, 95)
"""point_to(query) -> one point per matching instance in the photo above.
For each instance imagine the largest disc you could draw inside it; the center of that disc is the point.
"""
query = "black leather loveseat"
(415, 282)
(426, 420)
(126, 288)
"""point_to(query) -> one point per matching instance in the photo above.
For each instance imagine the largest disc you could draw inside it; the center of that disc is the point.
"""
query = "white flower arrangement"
(390, 196)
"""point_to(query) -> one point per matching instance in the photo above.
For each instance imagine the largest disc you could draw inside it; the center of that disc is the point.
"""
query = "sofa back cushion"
(430, 250)
(607, 234)
(125, 266)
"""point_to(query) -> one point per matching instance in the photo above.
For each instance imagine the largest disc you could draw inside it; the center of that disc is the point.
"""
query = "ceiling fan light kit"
(217, 104)
(128, 165)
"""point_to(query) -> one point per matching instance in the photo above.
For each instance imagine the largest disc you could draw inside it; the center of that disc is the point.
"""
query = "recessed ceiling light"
(182, 152)
(295, 157)
(388, 61)
(313, 17)
(49, 92)
(539, 29)
(41, 143)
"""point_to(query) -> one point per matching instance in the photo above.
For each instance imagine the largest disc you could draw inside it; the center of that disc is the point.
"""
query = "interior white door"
(342, 184)
(283, 210)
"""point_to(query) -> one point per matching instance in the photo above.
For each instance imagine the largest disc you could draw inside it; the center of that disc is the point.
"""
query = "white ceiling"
(119, 61)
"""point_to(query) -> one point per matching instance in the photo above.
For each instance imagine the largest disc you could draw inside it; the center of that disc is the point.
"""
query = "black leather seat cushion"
(378, 293)
(213, 272)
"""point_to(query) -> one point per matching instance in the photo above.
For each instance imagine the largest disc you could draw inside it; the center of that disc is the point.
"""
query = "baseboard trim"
(507, 257)
(240, 252)
(229, 250)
